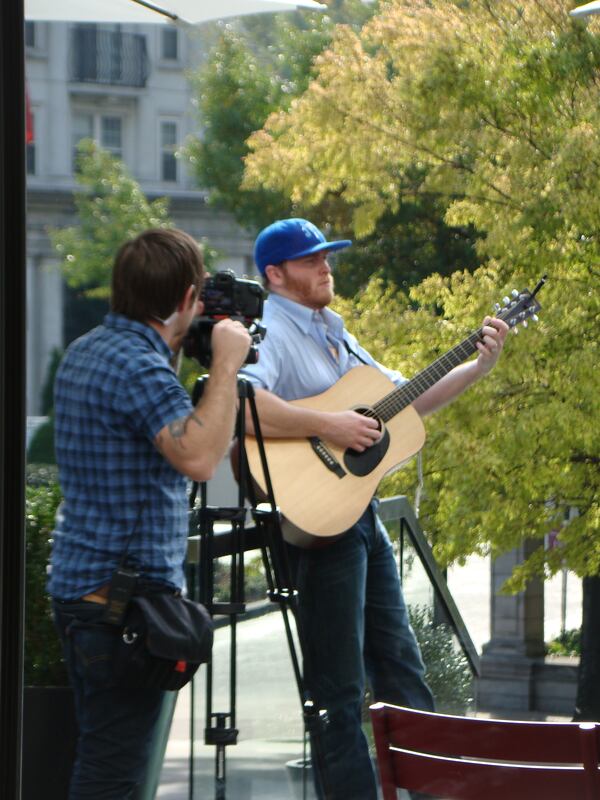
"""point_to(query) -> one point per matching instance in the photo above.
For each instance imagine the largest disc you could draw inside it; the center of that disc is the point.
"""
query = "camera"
(226, 296)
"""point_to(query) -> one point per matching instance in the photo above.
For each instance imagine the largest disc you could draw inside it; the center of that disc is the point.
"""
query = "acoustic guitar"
(322, 489)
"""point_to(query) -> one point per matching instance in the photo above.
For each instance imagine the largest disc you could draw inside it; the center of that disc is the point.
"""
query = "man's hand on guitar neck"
(494, 333)
(455, 382)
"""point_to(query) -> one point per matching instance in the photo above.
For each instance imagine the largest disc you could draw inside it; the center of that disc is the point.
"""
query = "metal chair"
(467, 758)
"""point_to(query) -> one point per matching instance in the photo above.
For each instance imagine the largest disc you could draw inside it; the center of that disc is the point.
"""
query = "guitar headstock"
(520, 307)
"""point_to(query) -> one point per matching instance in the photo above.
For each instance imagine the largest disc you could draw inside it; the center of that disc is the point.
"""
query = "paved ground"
(268, 715)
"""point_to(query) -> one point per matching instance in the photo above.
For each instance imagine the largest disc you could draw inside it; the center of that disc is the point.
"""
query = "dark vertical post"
(12, 392)
(588, 689)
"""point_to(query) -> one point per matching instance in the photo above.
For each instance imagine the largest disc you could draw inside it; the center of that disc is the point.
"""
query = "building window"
(106, 130)
(30, 146)
(111, 135)
(168, 146)
(169, 44)
(83, 128)
(30, 40)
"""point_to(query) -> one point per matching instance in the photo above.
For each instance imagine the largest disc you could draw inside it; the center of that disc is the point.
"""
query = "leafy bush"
(47, 397)
(255, 584)
(568, 643)
(41, 446)
(447, 670)
(44, 664)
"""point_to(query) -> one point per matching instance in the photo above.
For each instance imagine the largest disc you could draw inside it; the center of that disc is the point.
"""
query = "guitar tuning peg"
(506, 301)
(514, 293)
(524, 323)
(497, 307)
(515, 330)
(535, 318)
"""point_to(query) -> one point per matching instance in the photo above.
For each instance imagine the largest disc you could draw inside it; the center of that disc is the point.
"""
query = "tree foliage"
(43, 663)
(111, 209)
(258, 68)
(498, 103)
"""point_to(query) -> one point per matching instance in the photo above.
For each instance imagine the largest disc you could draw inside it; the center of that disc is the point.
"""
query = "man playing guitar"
(351, 608)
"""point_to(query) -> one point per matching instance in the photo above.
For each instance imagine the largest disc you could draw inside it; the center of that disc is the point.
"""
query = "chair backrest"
(467, 758)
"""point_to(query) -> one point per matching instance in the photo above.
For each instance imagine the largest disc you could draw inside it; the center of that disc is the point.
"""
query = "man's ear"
(274, 274)
(188, 299)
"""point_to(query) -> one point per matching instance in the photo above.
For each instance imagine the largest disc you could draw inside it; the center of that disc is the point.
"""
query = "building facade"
(124, 86)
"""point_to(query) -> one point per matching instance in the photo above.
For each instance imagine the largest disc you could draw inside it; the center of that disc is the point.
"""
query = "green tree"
(111, 208)
(254, 68)
(258, 69)
(44, 664)
(499, 102)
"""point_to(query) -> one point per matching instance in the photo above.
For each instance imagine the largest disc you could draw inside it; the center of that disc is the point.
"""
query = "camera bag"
(164, 639)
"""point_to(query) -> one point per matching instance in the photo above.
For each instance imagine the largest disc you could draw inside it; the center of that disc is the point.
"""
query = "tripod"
(221, 728)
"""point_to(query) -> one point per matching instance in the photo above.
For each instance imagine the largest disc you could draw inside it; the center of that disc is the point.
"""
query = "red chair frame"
(468, 758)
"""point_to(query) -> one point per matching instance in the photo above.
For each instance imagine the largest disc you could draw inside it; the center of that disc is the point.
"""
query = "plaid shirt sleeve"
(152, 398)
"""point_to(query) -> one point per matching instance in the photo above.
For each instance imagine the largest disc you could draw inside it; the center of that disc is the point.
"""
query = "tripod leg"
(282, 587)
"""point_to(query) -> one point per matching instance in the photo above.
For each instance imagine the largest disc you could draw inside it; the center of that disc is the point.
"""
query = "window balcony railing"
(107, 57)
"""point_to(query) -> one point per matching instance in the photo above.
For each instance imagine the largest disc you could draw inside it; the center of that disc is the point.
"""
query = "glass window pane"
(168, 134)
(83, 127)
(169, 167)
(110, 133)
(169, 44)
(30, 34)
(30, 155)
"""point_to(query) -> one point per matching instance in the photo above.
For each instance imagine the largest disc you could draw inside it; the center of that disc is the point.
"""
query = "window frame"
(97, 118)
(164, 150)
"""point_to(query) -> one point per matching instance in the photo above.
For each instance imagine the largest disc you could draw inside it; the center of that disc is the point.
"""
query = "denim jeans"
(115, 725)
(354, 625)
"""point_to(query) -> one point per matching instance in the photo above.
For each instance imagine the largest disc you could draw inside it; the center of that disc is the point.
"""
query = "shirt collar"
(304, 317)
(122, 323)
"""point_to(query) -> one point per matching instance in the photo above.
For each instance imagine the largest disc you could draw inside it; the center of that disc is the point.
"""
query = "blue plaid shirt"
(114, 391)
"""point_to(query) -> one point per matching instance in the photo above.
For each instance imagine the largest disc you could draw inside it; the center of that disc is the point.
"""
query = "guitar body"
(317, 499)
(323, 490)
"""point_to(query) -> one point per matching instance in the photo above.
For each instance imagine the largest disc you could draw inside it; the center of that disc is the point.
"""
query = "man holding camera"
(127, 437)
(351, 609)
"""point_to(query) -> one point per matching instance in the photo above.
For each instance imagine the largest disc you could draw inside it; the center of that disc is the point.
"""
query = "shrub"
(568, 643)
(447, 670)
(41, 446)
(44, 664)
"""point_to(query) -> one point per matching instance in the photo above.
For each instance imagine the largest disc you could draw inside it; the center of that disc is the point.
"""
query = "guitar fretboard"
(402, 396)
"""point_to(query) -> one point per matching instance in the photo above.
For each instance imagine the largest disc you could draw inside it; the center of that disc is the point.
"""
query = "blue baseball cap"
(287, 239)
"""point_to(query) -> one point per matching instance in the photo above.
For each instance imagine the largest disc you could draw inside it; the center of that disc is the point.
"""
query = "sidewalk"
(267, 716)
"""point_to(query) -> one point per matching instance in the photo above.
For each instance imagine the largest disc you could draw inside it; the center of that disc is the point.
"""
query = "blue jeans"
(115, 725)
(354, 625)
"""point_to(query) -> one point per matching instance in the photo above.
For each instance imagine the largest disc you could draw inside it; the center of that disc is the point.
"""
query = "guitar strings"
(402, 396)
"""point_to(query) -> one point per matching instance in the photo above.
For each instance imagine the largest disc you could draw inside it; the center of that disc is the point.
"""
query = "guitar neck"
(402, 396)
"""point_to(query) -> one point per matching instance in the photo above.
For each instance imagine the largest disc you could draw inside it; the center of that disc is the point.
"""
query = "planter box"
(49, 740)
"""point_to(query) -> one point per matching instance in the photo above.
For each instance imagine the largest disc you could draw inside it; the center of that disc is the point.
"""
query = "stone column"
(517, 639)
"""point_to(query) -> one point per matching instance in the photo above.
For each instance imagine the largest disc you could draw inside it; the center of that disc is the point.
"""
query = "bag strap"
(135, 530)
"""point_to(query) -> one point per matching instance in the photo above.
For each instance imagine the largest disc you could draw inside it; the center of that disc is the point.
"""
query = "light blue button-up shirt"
(295, 358)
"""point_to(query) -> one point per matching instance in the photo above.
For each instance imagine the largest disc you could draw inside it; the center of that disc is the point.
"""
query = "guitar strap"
(353, 352)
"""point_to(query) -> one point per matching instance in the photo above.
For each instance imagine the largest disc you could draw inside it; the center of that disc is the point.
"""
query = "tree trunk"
(588, 690)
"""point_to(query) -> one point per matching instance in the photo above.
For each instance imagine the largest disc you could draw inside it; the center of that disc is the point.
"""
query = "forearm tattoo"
(178, 427)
